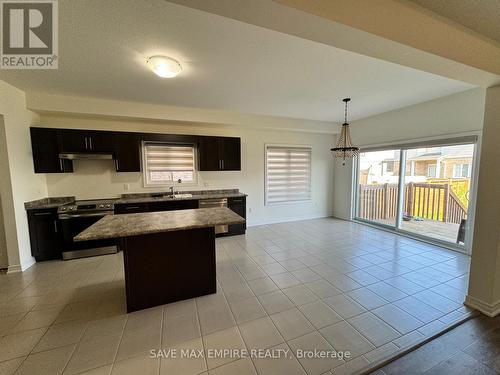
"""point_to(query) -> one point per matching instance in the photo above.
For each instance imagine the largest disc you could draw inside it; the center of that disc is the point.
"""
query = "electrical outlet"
(126, 187)
(205, 184)
(249, 209)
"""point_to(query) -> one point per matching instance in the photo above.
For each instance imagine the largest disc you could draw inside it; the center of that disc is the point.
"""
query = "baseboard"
(21, 267)
(488, 309)
(14, 269)
(287, 219)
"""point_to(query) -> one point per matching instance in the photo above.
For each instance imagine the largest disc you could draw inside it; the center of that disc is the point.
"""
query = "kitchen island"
(168, 256)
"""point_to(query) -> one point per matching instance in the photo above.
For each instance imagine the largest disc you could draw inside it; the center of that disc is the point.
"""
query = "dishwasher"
(216, 202)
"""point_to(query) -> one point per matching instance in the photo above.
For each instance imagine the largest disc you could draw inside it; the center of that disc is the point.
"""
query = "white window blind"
(166, 164)
(288, 174)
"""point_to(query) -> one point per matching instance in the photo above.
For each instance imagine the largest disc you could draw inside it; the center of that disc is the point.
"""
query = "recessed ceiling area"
(227, 65)
(481, 16)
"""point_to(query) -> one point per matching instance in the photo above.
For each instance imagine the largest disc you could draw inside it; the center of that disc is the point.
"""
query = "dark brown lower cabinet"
(169, 205)
(173, 205)
(166, 267)
(238, 205)
(44, 234)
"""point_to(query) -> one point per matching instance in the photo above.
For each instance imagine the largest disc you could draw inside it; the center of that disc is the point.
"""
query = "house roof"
(449, 152)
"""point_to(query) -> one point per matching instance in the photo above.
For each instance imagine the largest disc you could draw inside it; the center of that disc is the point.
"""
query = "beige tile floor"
(318, 284)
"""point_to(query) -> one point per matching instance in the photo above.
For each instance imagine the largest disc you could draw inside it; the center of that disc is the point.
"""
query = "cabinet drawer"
(130, 208)
(173, 205)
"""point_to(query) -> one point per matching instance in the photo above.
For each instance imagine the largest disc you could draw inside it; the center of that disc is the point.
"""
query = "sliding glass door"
(378, 187)
(423, 190)
(437, 191)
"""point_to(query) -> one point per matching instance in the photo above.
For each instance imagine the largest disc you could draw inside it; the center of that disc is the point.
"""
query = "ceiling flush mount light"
(344, 148)
(164, 66)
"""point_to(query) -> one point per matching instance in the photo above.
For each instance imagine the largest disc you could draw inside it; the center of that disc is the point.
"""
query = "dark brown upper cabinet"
(127, 152)
(86, 141)
(101, 141)
(45, 146)
(214, 153)
(219, 154)
(230, 153)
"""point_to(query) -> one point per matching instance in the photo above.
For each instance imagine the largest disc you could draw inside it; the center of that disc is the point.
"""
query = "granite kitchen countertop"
(119, 226)
(53, 202)
(150, 198)
(45, 203)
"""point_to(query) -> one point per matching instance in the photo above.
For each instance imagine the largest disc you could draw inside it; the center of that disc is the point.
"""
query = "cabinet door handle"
(90, 142)
(117, 165)
(86, 144)
(222, 161)
(42, 213)
(61, 165)
(55, 226)
(132, 208)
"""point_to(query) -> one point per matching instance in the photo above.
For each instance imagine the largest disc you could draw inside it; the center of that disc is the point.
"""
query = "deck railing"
(428, 201)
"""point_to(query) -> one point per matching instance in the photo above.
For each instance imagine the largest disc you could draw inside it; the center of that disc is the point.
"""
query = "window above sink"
(168, 164)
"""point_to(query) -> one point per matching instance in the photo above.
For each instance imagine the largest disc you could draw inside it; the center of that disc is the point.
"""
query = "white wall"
(18, 182)
(451, 115)
(4, 185)
(484, 284)
(97, 179)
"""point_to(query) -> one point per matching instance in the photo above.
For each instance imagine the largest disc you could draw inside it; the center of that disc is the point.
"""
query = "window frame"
(298, 201)
(148, 184)
(470, 138)
(429, 166)
(461, 174)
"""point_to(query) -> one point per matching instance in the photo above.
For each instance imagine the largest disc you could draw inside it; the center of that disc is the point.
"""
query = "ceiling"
(228, 65)
(482, 16)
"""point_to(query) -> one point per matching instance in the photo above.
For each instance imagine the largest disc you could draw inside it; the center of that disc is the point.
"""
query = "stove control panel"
(87, 206)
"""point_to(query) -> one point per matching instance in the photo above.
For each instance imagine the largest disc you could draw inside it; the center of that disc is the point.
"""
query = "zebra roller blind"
(165, 164)
(288, 174)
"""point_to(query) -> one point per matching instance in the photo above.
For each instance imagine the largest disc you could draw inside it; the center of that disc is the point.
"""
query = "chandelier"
(344, 148)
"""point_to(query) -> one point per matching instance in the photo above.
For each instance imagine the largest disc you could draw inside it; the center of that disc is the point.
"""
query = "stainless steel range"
(77, 216)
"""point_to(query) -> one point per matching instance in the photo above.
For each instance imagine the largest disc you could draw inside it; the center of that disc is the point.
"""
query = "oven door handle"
(71, 216)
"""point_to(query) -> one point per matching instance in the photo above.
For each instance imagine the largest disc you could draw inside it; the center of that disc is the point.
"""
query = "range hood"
(81, 155)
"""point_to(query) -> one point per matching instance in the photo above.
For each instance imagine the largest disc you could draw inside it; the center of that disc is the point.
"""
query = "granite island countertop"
(127, 225)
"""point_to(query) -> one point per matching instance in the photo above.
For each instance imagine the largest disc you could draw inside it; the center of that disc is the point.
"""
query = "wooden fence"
(428, 201)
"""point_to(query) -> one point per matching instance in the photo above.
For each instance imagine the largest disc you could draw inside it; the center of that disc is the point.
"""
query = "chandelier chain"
(345, 113)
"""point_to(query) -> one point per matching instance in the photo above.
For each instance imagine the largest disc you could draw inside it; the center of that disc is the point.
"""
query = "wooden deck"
(432, 228)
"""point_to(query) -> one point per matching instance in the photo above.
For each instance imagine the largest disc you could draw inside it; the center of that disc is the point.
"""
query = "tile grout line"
(201, 333)
(119, 343)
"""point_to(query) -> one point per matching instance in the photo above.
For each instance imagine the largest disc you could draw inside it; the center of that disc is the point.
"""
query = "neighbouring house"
(422, 165)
